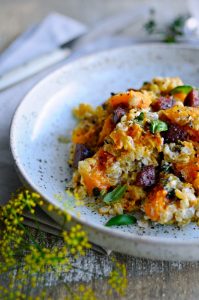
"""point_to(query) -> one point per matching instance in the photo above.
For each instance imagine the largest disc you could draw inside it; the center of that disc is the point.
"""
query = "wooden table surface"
(146, 279)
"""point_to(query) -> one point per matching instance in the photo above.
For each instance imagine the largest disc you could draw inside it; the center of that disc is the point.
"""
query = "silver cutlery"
(41, 221)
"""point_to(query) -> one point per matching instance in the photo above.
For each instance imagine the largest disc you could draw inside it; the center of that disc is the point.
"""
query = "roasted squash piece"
(186, 117)
(189, 171)
(155, 203)
(131, 99)
(93, 171)
(106, 130)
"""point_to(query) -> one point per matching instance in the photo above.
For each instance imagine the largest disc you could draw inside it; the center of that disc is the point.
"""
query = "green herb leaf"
(166, 168)
(171, 194)
(158, 126)
(121, 220)
(185, 89)
(115, 195)
(102, 192)
(150, 26)
(140, 117)
(169, 39)
(177, 26)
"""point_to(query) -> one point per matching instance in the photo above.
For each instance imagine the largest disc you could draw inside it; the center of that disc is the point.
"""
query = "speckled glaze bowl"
(45, 114)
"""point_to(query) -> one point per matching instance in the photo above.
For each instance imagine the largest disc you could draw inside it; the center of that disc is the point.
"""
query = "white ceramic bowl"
(45, 114)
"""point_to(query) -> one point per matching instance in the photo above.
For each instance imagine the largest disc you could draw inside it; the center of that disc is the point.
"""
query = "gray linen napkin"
(40, 39)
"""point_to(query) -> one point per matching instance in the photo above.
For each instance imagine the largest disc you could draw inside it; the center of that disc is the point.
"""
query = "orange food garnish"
(106, 130)
(183, 116)
(95, 175)
(122, 99)
(190, 172)
(130, 99)
(104, 159)
(180, 96)
(155, 203)
(180, 115)
(94, 179)
(80, 136)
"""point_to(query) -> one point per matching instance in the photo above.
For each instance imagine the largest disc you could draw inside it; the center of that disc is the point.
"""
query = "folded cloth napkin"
(45, 37)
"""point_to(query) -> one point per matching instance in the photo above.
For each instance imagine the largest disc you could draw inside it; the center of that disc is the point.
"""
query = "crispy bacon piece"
(156, 203)
(189, 171)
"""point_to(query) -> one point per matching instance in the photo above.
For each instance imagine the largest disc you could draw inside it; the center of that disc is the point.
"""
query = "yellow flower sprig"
(82, 293)
(12, 235)
(21, 251)
(118, 279)
(15, 237)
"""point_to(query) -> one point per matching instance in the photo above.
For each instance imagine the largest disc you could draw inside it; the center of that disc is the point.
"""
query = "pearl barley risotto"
(139, 151)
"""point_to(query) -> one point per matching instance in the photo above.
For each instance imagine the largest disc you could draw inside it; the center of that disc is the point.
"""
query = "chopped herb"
(121, 220)
(164, 181)
(140, 117)
(115, 195)
(166, 168)
(169, 39)
(158, 126)
(102, 192)
(171, 31)
(171, 194)
(104, 105)
(177, 26)
(185, 89)
(108, 140)
(64, 139)
(150, 25)
(96, 191)
(177, 148)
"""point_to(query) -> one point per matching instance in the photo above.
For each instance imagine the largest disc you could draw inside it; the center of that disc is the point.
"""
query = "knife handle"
(33, 67)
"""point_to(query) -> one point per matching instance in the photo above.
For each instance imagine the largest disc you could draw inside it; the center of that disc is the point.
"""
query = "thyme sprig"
(171, 32)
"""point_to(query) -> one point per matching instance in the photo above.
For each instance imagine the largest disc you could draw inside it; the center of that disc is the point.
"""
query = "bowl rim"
(102, 229)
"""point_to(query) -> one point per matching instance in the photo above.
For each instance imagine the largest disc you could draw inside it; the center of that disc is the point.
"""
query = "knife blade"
(106, 27)
(33, 67)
